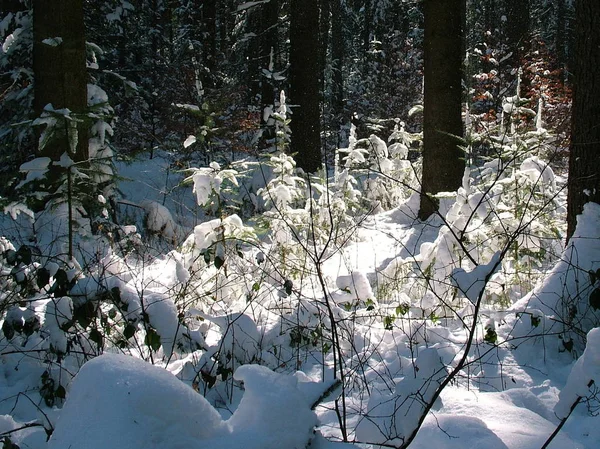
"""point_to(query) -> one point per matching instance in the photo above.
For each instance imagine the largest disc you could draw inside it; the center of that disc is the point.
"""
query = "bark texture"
(443, 159)
(60, 70)
(584, 157)
(304, 84)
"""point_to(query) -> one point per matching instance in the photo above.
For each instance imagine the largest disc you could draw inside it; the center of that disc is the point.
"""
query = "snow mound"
(121, 402)
(124, 403)
(585, 372)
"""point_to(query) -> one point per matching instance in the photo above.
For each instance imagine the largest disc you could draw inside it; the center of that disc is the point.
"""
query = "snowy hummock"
(472, 283)
(585, 372)
(121, 402)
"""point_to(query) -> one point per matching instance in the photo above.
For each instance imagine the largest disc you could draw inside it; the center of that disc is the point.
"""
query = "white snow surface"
(121, 402)
(507, 399)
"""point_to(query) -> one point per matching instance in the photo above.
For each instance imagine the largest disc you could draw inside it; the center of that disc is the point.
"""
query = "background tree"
(584, 153)
(304, 84)
(443, 159)
(59, 65)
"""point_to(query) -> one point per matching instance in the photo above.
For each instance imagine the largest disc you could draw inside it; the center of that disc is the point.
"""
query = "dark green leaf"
(129, 331)
(11, 256)
(60, 392)
(85, 314)
(219, 261)
(402, 309)
(8, 330)
(31, 325)
(96, 337)
(24, 254)
(42, 277)
(288, 285)
(8, 444)
(152, 339)
(491, 336)
(595, 299)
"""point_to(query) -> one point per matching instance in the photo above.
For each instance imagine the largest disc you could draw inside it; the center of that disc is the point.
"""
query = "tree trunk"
(210, 38)
(60, 70)
(443, 159)
(10, 6)
(518, 30)
(270, 46)
(584, 157)
(325, 19)
(304, 84)
(337, 56)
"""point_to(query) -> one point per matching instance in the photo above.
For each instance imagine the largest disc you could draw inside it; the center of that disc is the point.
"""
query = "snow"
(124, 403)
(472, 283)
(585, 372)
(189, 141)
(266, 351)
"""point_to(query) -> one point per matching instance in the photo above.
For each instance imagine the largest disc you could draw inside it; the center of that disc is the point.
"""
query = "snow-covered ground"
(246, 360)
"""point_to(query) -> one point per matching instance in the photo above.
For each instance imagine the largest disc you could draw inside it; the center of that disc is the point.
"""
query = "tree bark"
(270, 45)
(584, 157)
(60, 71)
(518, 30)
(304, 84)
(443, 159)
(337, 56)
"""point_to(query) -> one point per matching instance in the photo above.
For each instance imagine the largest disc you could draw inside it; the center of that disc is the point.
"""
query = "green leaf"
(42, 277)
(85, 314)
(24, 254)
(8, 444)
(129, 331)
(219, 261)
(60, 392)
(491, 336)
(288, 285)
(96, 337)
(595, 299)
(8, 330)
(152, 339)
(535, 321)
(256, 287)
(388, 322)
(402, 309)
(10, 256)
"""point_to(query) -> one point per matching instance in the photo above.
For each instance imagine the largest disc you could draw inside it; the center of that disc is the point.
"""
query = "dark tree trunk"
(304, 84)
(10, 6)
(270, 46)
(60, 71)
(253, 54)
(443, 159)
(210, 35)
(584, 157)
(324, 26)
(518, 30)
(337, 56)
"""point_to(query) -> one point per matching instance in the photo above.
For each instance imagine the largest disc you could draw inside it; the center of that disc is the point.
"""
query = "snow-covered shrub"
(211, 185)
(508, 204)
(384, 175)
